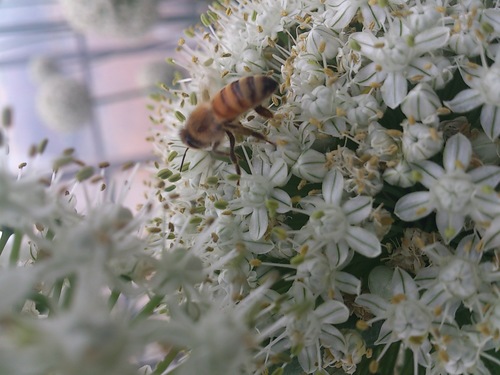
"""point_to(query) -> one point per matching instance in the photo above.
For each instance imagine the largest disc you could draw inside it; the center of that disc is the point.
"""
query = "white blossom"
(257, 190)
(420, 103)
(396, 57)
(453, 193)
(482, 92)
(405, 316)
(420, 142)
(332, 223)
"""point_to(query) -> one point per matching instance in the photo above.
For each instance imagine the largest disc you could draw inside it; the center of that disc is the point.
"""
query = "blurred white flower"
(43, 68)
(154, 73)
(306, 325)
(129, 19)
(64, 104)
(260, 276)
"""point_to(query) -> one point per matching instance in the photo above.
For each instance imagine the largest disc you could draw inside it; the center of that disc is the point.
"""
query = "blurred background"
(79, 72)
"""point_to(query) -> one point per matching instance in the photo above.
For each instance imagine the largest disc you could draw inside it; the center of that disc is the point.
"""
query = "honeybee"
(211, 121)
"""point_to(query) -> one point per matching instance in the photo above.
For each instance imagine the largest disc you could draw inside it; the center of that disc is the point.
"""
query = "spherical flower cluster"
(374, 130)
(130, 18)
(64, 104)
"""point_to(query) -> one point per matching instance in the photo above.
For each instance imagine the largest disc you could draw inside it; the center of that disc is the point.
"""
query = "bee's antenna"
(183, 158)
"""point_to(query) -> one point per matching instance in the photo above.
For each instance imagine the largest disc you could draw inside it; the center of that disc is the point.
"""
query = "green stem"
(163, 365)
(113, 298)
(16, 247)
(148, 309)
(57, 291)
(6, 233)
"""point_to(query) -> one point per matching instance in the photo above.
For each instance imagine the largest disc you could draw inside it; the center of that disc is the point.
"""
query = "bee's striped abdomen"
(241, 96)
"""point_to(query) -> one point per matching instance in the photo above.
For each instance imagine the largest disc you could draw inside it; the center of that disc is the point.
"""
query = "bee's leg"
(264, 112)
(219, 152)
(232, 154)
(237, 128)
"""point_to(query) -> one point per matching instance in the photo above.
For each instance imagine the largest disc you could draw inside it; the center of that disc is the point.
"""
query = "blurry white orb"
(64, 104)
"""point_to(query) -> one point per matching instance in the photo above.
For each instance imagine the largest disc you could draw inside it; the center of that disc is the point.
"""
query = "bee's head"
(189, 140)
(201, 129)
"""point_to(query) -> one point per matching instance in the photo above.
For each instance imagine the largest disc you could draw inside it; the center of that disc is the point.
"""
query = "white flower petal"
(278, 173)
(239, 208)
(490, 120)
(429, 172)
(457, 153)
(413, 206)
(308, 358)
(426, 277)
(283, 199)
(486, 204)
(342, 13)
(368, 43)
(385, 334)
(491, 238)
(332, 312)
(357, 209)
(331, 337)
(465, 101)
(487, 175)
(363, 242)
(423, 68)
(258, 223)
(347, 283)
(469, 248)
(373, 15)
(492, 16)
(258, 247)
(421, 102)
(310, 166)
(394, 89)
(333, 187)
(431, 39)
(379, 281)
(15, 285)
(435, 296)
(449, 224)
(437, 251)
(337, 253)
(402, 283)
(376, 304)
(369, 74)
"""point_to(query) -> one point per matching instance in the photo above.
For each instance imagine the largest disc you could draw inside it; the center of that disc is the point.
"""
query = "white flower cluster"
(61, 271)
(63, 103)
(363, 237)
(386, 164)
(117, 18)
